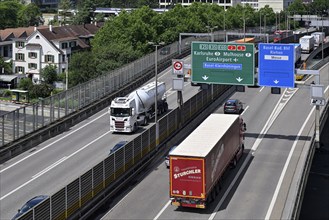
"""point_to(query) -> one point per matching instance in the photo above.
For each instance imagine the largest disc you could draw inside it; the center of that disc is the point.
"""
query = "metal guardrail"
(32, 117)
(107, 174)
(302, 181)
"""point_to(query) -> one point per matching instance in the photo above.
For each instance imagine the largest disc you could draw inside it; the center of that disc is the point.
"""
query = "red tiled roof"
(22, 32)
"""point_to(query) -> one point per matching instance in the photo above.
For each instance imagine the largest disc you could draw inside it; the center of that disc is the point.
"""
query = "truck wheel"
(165, 107)
(234, 162)
(134, 128)
(145, 121)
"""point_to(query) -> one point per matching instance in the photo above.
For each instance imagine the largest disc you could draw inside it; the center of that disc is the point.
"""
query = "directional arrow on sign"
(205, 77)
(276, 81)
(239, 79)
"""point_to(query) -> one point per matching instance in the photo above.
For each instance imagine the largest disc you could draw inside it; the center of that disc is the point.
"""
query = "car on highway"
(234, 106)
(167, 157)
(29, 205)
(117, 146)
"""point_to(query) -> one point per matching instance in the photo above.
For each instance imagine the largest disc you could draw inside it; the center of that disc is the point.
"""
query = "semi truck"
(127, 113)
(197, 164)
(318, 38)
(307, 43)
(297, 60)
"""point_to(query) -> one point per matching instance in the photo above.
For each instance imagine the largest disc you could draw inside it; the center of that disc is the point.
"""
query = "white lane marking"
(266, 127)
(48, 168)
(278, 186)
(276, 192)
(261, 88)
(65, 158)
(244, 110)
(162, 210)
(32, 154)
(212, 216)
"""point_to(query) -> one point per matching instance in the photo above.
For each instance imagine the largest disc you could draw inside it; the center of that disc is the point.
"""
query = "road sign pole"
(317, 118)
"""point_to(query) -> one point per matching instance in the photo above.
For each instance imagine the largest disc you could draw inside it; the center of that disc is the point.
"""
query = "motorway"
(278, 127)
(55, 163)
(251, 191)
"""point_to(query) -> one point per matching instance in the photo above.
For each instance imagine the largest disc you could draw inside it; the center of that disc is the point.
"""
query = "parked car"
(118, 146)
(30, 204)
(233, 106)
(167, 157)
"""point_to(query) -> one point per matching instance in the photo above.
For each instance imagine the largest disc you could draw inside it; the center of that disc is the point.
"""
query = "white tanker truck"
(127, 113)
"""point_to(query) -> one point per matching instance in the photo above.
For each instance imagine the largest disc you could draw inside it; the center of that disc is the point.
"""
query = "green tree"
(49, 74)
(82, 16)
(266, 13)
(29, 15)
(42, 90)
(319, 7)
(8, 14)
(5, 67)
(25, 83)
(297, 7)
(65, 6)
(82, 68)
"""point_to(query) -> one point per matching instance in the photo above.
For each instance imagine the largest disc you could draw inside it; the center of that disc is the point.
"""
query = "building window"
(37, 37)
(73, 44)
(32, 55)
(19, 69)
(33, 66)
(20, 57)
(64, 45)
(49, 58)
(20, 44)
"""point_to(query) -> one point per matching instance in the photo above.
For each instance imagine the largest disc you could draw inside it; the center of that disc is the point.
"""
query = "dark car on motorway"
(30, 204)
(167, 157)
(118, 146)
(234, 106)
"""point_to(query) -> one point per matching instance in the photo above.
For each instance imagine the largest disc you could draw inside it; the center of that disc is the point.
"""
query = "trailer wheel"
(234, 162)
(213, 195)
(217, 187)
(145, 121)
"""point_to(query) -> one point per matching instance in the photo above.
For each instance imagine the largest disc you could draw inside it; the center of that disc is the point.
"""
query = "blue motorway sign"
(276, 65)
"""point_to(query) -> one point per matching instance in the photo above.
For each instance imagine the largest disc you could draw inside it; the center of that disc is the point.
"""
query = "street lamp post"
(260, 22)
(224, 16)
(212, 32)
(66, 73)
(156, 45)
(244, 26)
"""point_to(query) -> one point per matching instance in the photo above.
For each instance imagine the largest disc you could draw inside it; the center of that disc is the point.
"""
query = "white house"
(49, 46)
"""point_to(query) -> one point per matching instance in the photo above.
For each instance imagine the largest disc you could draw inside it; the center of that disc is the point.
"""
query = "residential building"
(252, 3)
(224, 3)
(277, 5)
(33, 49)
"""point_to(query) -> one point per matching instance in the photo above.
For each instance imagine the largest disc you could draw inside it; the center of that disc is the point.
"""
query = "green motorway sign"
(223, 63)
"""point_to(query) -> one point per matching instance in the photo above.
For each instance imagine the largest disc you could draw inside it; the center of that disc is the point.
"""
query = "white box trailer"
(318, 37)
(307, 43)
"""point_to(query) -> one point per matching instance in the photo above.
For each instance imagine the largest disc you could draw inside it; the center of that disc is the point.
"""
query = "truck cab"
(122, 113)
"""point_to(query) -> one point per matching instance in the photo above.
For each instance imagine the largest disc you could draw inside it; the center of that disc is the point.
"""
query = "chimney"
(50, 28)
(35, 27)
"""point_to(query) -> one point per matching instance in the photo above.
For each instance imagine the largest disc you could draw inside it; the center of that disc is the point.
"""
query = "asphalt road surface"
(316, 198)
